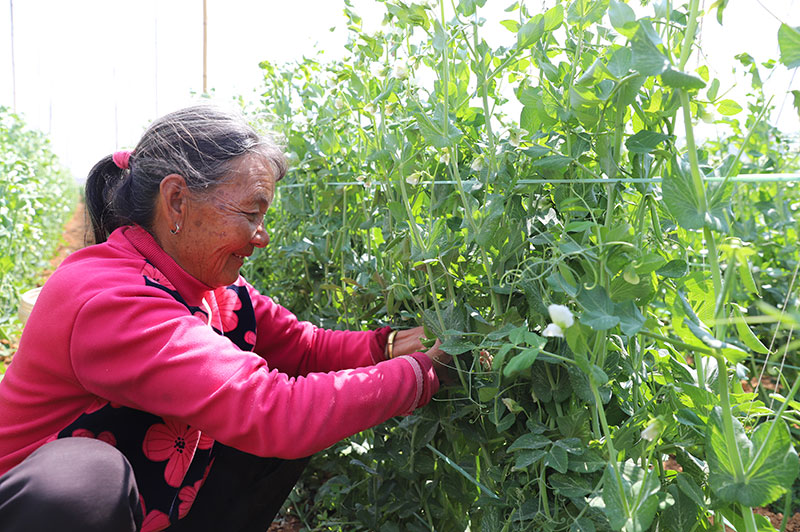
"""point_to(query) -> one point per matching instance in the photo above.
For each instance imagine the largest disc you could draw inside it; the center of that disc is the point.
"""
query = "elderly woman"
(154, 388)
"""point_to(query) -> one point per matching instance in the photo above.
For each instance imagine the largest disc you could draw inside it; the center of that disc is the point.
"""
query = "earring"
(176, 230)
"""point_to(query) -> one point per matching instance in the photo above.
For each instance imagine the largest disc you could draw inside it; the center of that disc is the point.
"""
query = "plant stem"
(691, 27)
(730, 439)
(612, 452)
(487, 115)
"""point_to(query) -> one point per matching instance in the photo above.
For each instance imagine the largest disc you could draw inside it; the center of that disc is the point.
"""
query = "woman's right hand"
(440, 361)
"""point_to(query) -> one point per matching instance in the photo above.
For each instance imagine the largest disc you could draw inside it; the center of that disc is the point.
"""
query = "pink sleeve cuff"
(427, 381)
(381, 337)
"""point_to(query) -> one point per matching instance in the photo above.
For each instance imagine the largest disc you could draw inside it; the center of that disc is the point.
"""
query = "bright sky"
(93, 73)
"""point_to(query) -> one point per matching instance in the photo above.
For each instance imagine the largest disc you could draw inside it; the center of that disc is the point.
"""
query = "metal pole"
(205, 47)
(155, 62)
(13, 65)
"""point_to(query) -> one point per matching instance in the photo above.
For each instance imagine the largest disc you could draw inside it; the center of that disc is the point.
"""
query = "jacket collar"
(191, 289)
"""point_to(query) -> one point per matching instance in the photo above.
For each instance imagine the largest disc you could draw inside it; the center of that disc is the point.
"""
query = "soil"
(76, 235)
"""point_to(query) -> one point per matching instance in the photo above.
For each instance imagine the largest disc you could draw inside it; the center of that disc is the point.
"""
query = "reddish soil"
(287, 523)
(76, 235)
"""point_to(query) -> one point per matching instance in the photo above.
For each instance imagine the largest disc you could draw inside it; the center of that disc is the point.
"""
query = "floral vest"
(170, 459)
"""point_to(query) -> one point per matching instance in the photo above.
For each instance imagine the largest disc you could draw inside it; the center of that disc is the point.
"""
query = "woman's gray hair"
(200, 143)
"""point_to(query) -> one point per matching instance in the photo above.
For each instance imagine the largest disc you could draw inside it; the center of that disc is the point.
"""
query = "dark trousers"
(83, 484)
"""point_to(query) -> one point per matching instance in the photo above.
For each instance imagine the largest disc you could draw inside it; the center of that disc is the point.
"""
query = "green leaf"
(623, 18)
(674, 269)
(584, 13)
(688, 486)
(598, 309)
(631, 501)
(487, 393)
(529, 118)
(720, 5)
(557, 459)
(467, 7)
(684, 513)
(570, 485)
(681, 198)
(647, 59)
(620, 63)
(552, 162)
(681, 80)
(510, 25)
(526, 458)
(588, 462)
(530, 32)
(430, 127)
(645, 141)
(456, 346)
(796, 102)
(581, 524)
(769, 460)
(631, 318)
(553, 17)
(529, 441)
(728, 107)
(522, 361)
(789, 43)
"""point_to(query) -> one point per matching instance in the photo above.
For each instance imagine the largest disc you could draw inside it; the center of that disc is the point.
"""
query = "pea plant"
(36, 196)
(613, 293)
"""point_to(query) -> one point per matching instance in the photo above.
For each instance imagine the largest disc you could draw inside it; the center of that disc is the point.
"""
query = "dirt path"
(76, 235)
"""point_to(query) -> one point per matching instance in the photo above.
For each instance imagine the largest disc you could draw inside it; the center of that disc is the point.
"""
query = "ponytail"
(99, 190)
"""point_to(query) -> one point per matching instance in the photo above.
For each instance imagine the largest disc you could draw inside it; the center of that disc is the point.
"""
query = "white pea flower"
(378, 70)
(400, 71)
(414, 178)
(444, 156)
(561, 316)
(512, 405)
(370, 109)
(553, 331)
(339, 103)
(477, 164)
(515, 136)
(651, 432)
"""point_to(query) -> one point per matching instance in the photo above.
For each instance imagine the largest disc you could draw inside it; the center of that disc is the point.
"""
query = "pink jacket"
(121, 324)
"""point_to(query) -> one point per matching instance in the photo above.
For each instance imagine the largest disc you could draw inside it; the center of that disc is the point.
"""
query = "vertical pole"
(116, 109)
(155, 18)
(205, 47)
(13, 65)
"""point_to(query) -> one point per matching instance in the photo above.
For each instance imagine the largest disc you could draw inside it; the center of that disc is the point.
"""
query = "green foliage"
(36, 196)
(438, 180)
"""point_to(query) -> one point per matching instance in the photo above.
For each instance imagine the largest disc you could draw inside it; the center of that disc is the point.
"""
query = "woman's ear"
(174, 194)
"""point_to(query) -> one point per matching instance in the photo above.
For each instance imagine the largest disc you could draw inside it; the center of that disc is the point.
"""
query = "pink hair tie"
(121, 159)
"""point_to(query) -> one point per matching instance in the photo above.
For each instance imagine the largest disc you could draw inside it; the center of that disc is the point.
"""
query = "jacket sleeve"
(298, 348)
(142, 349)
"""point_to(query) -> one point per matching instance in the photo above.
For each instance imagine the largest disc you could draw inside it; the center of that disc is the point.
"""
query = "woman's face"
(223, 226)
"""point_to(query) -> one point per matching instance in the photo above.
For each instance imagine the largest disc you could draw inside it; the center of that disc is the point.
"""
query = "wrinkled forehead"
(251, 180)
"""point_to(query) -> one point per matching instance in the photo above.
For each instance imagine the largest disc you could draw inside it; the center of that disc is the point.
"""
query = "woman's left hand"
(408, 341)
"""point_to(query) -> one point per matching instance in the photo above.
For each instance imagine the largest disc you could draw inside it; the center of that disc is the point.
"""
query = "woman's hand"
(408, 341)
(440, 361)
